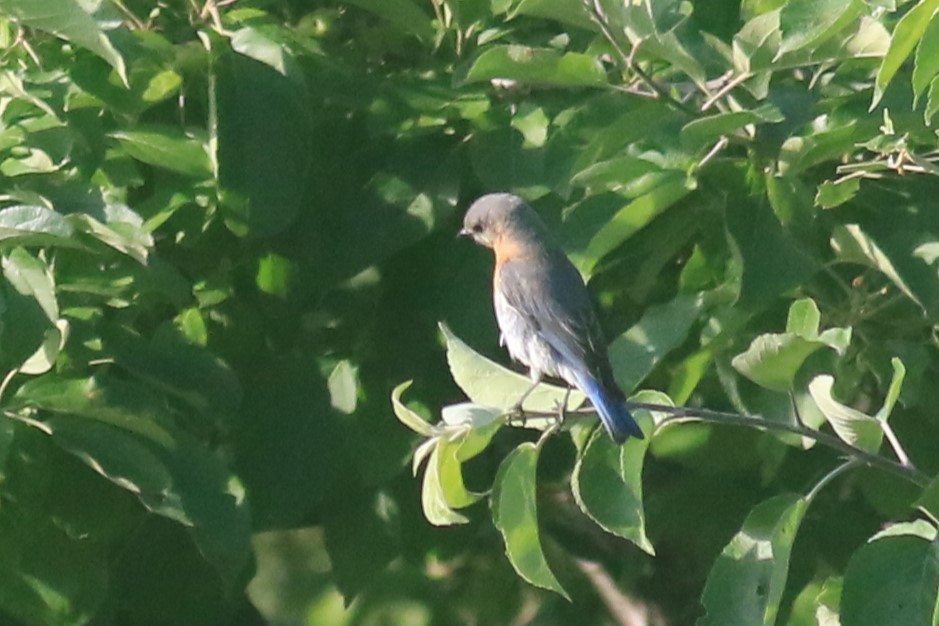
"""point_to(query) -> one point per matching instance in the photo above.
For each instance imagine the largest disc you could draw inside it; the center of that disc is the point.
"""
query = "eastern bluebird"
(545, 315)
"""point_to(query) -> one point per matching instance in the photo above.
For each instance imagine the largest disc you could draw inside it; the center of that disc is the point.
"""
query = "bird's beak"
(465, 232)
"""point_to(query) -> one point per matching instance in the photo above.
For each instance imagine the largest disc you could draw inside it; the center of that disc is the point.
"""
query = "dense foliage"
(227, 235)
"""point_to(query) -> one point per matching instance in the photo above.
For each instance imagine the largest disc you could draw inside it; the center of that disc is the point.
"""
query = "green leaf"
(607, 480)
(454, 491)
(24, 225)
(467, 413)
(182, 481)
(68, 20)
(514, 512)
(892, 581)
(756, 45)
(48, 576)
(929, 500)
(747, 581)
(907, 34)
(343, 384)
(122, 229)
(537, 66)
(167, 147)
(772, 260)
(362, 535)
(831, 194)
(663, 328)
(264, 146)
(893, 392)
(623, 175)
(932, 100)
(188, 372)
(854, 245)
(704, 131)
(104, 399)
(256, 45)
(31, 277)
(276, 275)
(433, 498)
(772, 360)
(408, 417)
(404, 14)
(804, 318)
(825, 143)
(926, 65)
(808, 23)
(629, 220)
(490, 384)
(854, 427)
(44, 358)
(563, 11)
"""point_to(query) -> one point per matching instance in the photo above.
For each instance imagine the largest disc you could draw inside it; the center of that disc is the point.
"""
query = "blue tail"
(611, 409)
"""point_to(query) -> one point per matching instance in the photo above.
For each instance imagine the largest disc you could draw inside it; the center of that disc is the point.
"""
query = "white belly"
(524, 343)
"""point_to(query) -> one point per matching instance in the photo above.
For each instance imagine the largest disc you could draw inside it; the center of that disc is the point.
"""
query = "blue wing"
(550, 294)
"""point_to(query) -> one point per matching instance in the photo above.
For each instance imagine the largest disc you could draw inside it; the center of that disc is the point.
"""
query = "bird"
(546, 318)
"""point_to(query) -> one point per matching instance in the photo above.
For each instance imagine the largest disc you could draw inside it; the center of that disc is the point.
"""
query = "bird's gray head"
(499, 215)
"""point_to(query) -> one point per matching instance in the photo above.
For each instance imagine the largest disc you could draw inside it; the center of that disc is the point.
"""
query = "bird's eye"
(477, 228)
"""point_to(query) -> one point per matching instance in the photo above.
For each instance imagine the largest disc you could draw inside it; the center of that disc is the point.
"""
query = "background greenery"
(227, 234)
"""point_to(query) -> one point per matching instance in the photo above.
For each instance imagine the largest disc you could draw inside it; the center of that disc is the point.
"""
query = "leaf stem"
(895, 444)
(830, 476)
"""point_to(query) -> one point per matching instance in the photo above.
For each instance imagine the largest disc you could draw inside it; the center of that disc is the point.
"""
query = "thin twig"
(677, 415)
(598, 17)
(830, 476)
(723, 91)
(713, 152)
(624, 610)
(130, 15)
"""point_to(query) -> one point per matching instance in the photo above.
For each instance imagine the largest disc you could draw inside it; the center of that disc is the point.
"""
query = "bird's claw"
(516, 416)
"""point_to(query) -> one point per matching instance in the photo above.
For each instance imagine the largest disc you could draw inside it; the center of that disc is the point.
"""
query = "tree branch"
(676, 415)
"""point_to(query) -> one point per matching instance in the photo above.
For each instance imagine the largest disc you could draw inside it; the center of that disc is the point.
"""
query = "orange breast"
(507, 249)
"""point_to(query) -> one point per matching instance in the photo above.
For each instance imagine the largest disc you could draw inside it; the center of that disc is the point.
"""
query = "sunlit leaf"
(926, 65)
(538, 66)
(831, 194)
(907, 34)
(489, 384)
(807, 23)
(662, 329)
(893, 392)
(854, 427)
(772, 360)
(44, 358)
(32, 277)
(700, 132)
(34, 225)
(66, 19)
(343, 386)
(408, 417)
(433, 499)
(514, 512)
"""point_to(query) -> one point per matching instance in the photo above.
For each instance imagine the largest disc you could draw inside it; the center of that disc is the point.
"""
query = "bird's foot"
(516, 416)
